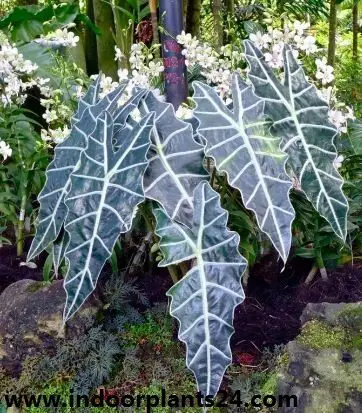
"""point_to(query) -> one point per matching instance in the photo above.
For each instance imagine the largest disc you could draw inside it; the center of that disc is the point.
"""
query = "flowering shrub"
(23, 150)
(15, 75)
(215, 67)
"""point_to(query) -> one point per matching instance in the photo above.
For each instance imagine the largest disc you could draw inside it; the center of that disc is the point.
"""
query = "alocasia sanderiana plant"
(113, 161)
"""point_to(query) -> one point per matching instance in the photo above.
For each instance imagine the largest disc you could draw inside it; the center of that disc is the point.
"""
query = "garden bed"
(270, 314)
(11, 271)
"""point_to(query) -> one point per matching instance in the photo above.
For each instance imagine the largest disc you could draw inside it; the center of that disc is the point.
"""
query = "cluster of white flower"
(215, 67)
(272, 43)
(15, 75)
(145, 70)
(324, 72)
(18, 75)
(56, 115)
(5, 150)
(197, 53)
(340, 118)
(296, 34)
(145, 67)
(57, 135)
(61, 37)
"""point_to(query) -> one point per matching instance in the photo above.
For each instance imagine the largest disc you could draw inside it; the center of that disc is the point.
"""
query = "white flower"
(5, 150)
(41, 81)
(309, 45)
(119, 55)
(350, 113)
(50, 116)
(337, 163)
(79, 92)
(261, 40)
(45, 136)
(136, 115)
(184, 38)
(326, 94)
(300, 27)
(72, 40)
(339, 120)
(299, 41)
(295, 53)
(275, 59)
(107, 85)
(140, 79)
(187, 40)
(159, 96)
(122, 74)
(184, 112)
(324, 71)
(276, 34)
(59, 135)
(13, 85)
(155, 68)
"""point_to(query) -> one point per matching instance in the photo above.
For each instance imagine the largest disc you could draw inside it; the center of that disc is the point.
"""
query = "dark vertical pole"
(355, 25)
(171, 12)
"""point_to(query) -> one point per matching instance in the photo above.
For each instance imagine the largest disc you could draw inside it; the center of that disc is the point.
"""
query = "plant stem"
(311, 275)
(322, 268)
(20, 229)
(213, 176)
(172, 269)
(184, 268)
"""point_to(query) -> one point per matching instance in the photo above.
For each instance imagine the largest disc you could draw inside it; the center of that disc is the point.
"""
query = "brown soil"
(274, 301)
(10, 270)
(270, 314)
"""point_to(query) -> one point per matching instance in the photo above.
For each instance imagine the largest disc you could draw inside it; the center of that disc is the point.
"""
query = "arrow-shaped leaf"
(176, 161)
(105, 190)
(205, 299)
(301, 119)
(242, 147)
(67, 154)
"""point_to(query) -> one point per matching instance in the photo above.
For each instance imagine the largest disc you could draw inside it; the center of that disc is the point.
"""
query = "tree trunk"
(218, 27)
(104, 19)
(332, 33)
(229, 17)
(193, 18)
(154, 18)
(355, 30)
(90, 43)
